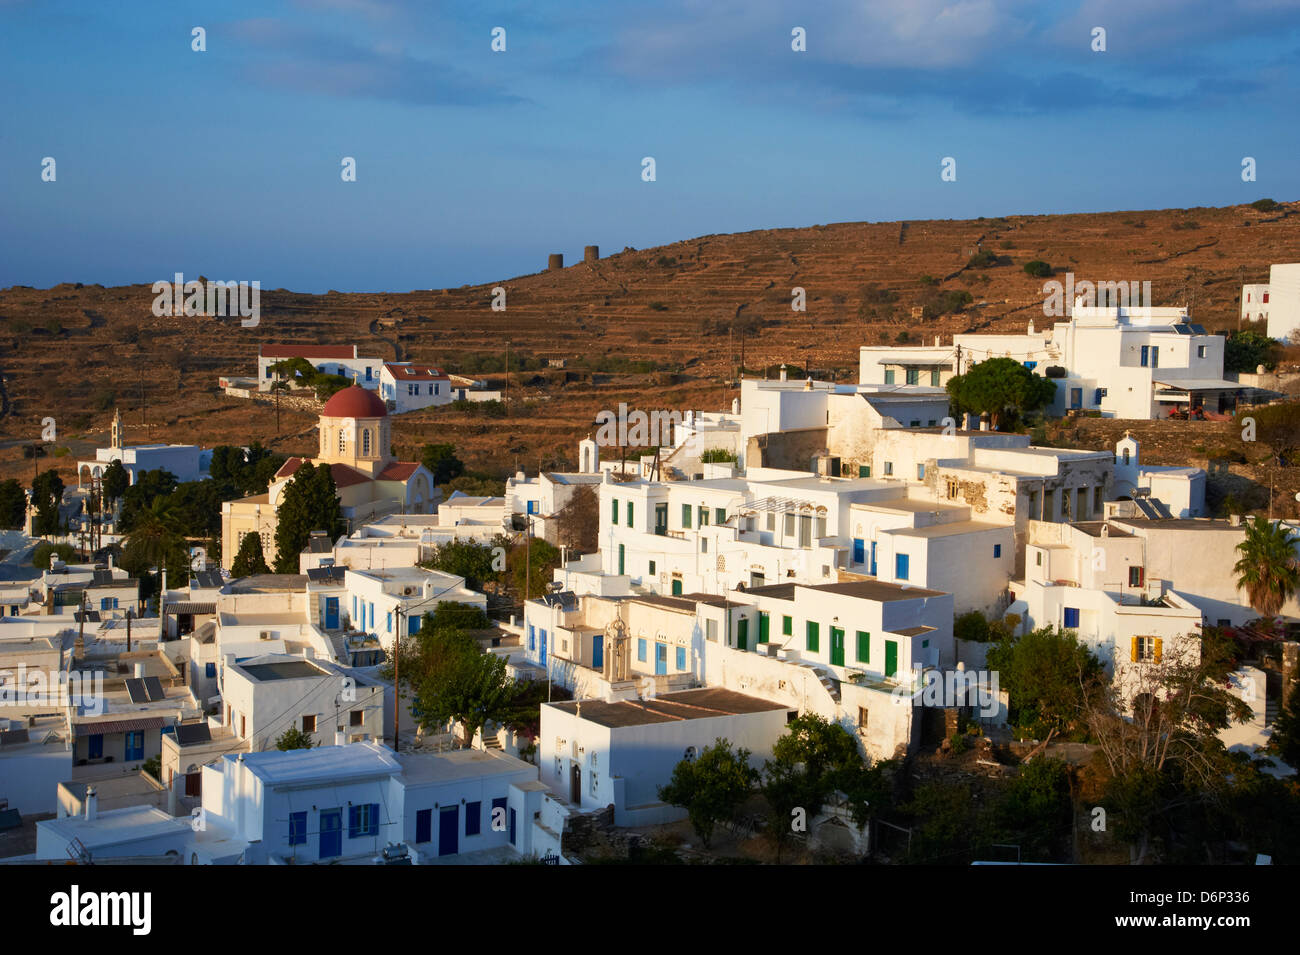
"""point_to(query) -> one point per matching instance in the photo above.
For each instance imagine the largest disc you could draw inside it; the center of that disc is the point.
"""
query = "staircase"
(825, 679)
(491, 737)
(1271, 706)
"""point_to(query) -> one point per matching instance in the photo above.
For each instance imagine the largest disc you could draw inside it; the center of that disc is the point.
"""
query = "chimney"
(92, 804)
(783, 373)
(1031, 326)
(1105, 530)
(138, 670)
(1234, 520)
(984, 423)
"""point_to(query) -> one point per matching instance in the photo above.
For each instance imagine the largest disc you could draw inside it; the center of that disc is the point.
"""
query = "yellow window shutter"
(1133, 650)
(1159, 642)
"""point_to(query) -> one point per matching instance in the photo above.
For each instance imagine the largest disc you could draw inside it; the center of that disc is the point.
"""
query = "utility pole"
(397, 681)
(507, 369)
(129, 615)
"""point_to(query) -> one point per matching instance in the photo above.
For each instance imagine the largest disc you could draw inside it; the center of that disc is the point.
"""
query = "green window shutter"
(864, 647)
(814, 636)
(719, 515)
(763, 623)
(787, 626)
(703, 515)
(630, 506)
(686, 517)
(613, 511)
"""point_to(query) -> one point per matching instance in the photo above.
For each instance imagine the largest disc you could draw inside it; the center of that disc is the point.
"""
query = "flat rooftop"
(1093, 529)
(669, 708)
(458, 764)
(950, 529)
(284, 670)
(323, 763)
(113, 826)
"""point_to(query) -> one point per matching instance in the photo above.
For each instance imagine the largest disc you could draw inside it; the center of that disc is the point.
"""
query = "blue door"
(424, 825)
(541, 647)
(95, 747)
(873, 558)
(661, 658)
(859, 551)
(331, 613)
(331, 833)
(512, 828)
(598, 651)
(448, 830)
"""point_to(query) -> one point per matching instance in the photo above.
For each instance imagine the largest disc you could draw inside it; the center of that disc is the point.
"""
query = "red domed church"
(356, 443)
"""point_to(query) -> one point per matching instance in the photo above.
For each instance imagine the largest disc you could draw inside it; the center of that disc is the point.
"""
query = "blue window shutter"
(997, 550)
(210, 671)
(353, 823)
(900, 566)
(1071, 618)
(374, 819)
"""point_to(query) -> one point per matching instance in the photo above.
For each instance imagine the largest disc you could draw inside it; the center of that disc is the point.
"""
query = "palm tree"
(1267, 569)
(156, 540)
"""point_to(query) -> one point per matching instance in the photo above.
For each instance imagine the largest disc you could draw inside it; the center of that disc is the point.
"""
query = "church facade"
(355, 440)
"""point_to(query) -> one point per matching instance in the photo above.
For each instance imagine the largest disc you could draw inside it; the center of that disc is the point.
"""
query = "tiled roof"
(415, 372)
(344, 476)
(398, 471)
(118, 726)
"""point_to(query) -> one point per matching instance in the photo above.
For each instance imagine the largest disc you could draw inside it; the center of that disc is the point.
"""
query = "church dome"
(355, 402)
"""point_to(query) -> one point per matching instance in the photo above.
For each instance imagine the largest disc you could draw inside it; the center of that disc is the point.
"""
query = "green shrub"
(1038, 269)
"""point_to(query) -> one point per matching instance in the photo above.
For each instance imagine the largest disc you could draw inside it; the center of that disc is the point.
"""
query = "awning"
(1201, 384)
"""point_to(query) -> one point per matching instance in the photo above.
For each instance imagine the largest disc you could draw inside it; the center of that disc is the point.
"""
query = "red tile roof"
(398, 471)
(344, 476)
(415, 372)
(308, 351)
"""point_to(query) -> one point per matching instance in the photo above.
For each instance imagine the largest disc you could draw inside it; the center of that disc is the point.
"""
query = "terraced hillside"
(72, 352)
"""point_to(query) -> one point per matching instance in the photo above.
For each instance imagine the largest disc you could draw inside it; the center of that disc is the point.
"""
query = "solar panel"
(153, 688)
(103, 576)
(190, 733)
(137, 692)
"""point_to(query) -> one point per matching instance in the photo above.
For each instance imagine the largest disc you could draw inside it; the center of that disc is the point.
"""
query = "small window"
(1135, 576)
(813, 636)
(613, 511)
(863, 654)
(920, 469)
(862, 719)
(997, 551)
(704, 545)
(1072, 618)
(771, 520)
(652, 568)
(711, 630)
(889, 468)
(901, 569)
(640, 649)
(686, 517)
(473, 818)
(703, 515)
(864, 470)
(787, 626)
(1200, 351)
(1038, 558)
(681, 658)
(719, 515)
(297, 828)
(357, 718)
(309, 724)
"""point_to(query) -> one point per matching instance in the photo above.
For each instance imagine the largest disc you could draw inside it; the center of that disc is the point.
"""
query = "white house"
(1124, 361)
(1284, 305)
(263, 697)
(188, 462)
(1254, 303)
(327, 359)
(379, 601)
(407, 386)
(595, 753)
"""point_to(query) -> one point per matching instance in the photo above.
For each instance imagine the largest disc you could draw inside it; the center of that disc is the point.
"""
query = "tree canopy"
(310, 503)
(1002, 388)
(1267, 568)
(1047, 674)
(710, 787)
(250, 559)
(47, 494)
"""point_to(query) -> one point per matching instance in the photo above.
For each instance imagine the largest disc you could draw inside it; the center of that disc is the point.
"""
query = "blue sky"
(473, 165)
